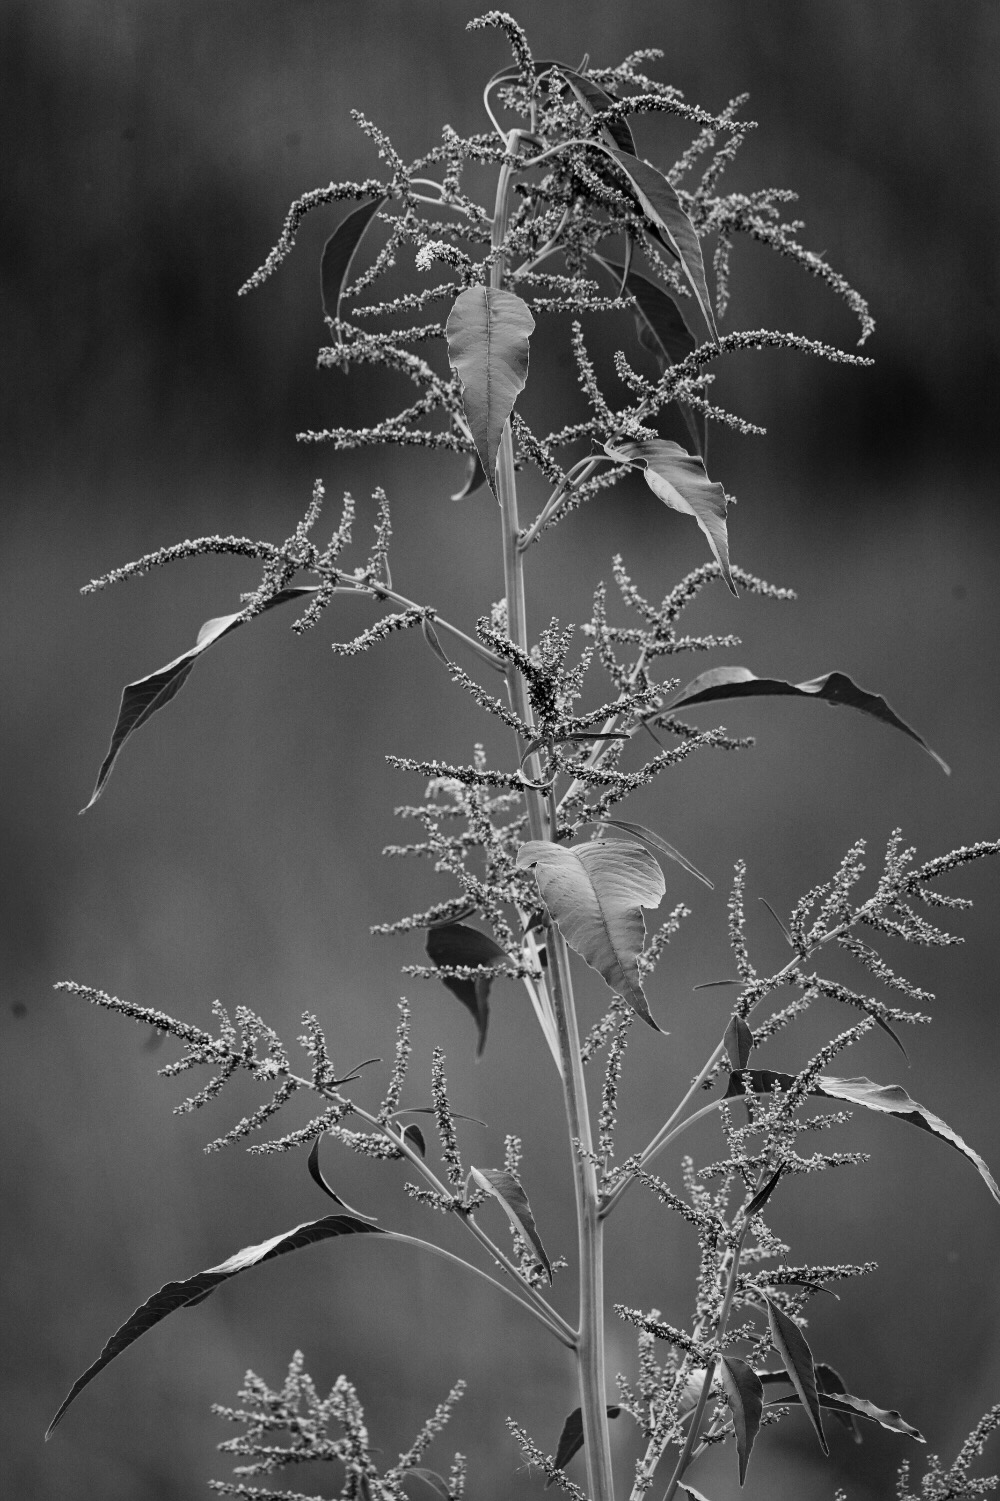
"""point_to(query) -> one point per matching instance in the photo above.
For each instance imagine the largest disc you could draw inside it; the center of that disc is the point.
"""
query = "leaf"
(738, 1042)
(662, 207)
(616, 132)
(788, 936)
(656, 842)
(412, 1133)
(662, 330)
(141, 699)
(745, 1396)
(507, 1190)
(796, 1356)
(429, 1477)
(830, 1383)
(680, 481)
(844, 1405)
(689, 1490)
(714, 984)
(454, 945)
(595, 893)
(888, 1099)
(475, 477)
(174, 1295)
(761, 1197)
(338, 253)
(488, 332)
(316, 1174)
(434, 641)
(832, 688)
(571, 1439)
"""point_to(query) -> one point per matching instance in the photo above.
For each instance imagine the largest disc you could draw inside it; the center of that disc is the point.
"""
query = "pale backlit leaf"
(681, 482)
(657, 842)
(488, 332)
(507, 1190)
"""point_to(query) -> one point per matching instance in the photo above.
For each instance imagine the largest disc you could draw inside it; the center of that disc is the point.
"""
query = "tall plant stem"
(590, 1333)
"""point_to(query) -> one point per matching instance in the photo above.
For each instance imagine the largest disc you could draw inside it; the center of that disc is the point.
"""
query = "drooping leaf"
(456, 944)
(844, 1406)
(832, 688)
(571, 1439)
(887, 1099)
(434, 641)
(657, 842)
(739, 1043)
(595, 893)
(141, 699)
(788, 936)
(595, 101)
(475, 477)
(412, 1133)
(174, 1295)
(316, 1174)
(831, 1383)
(663, 331)
(796, 1356)
(488, 332)
(507, 1190)
(745, 1396)
(662, 207)
(680, 481)
(338, 253)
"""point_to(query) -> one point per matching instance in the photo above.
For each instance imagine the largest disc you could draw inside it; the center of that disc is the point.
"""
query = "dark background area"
(151, 151)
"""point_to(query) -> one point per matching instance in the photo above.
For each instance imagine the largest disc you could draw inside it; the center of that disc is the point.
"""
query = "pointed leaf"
(662, 207)
(507, 1190)
(434, 641)
(745, 1396)
(656, 842)
(338, 253)
(739, 1043)
(571, 1439)
(680, 481)
(488, 332)
(788, 936)
(174, 1295)
(689, 1490)
(141, 699)
(888, 1099)
(832, 688)
(475, 477)
(845, 1406)
(594, 100)
(456, 944)
(430, 1477)
(316, 1174)
(830, 1383)
(663, 331)
(796, 1356)
(595, 894)
(414, 1134)
(761, 1197)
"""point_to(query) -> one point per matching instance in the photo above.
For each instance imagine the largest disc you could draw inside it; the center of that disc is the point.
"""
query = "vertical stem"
(590, 1230)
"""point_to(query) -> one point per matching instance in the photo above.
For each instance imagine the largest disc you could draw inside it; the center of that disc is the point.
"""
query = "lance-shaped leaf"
(887, 1099)
(738, 1042)
(745, 1396)
(316, 1174)
(338, 253)
(141, 699)
(571, 1439)
(832, 688)
(796, 1356)
(455, 945)
(843, 1405)
(662, 330)
(680, 480)
(488, 332)
(174, 1295)
(656, 842)
(475, 477)
(595, 101)
(662, 207)
(507, 1190)
(595, 893)
(761, 1197)
(831, 1383)
(689, 1490)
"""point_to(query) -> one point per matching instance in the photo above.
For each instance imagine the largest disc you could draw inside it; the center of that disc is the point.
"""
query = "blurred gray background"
(151, 150)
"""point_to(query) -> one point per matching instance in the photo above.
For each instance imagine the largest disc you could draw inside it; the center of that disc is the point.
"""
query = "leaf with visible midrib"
(745, 1396)
(681, 482)
(832, 688)
(455, 944)
(888, 1099)
(488, 332)
(174, 1295)
(595, 893)
(796, 1356)
(507, 1190)
(338, 253)
(141, 699)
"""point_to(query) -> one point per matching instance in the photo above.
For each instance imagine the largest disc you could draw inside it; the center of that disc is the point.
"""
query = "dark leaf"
(488, 332)
(338, 253)
(762, 1195)
(656, 842)
(141, 699)
(454, 945)
(475, 477)
(681, 482)
(595, 101)
(830, 1383)
(595, 894)
(174, 1295)
(412, 1133)
(745, 1396)
(434, 641)
(888, 1099)
(796, 1356)
(662, 207)
(844, 1405)
(689, 1490)
(316, 1174)
(662, 330)
(788, 936)
(571, 1439)
(832, 688)
(507, 1190)
(739, 1043)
